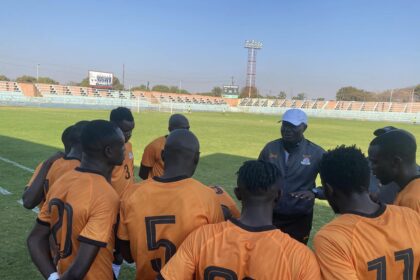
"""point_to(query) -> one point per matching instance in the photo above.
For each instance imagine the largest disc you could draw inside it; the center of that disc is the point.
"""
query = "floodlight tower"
(251, 71)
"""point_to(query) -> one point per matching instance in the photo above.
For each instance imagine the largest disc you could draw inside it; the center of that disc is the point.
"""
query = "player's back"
(123, 175)
(232, 250)
(57, 169)
(60, 167)
(410, 195)
(152, 156)
(381, 246)
(83, 209)
(158, 215)
(226, 201)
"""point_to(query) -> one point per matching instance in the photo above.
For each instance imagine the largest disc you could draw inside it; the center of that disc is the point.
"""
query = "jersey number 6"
(153, 244)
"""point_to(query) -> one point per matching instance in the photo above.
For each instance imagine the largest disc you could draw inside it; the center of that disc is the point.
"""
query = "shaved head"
(182, 140)
(178, 121)
(393, 154)
(396, 143)
(181, 152)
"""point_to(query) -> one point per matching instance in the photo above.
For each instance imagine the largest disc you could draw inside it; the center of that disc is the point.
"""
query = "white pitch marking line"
(17, 164)
(3, 191)
(36, 209)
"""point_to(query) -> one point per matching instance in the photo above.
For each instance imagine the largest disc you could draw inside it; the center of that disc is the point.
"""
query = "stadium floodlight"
(252, 44)
(251, 72)
(37, 72)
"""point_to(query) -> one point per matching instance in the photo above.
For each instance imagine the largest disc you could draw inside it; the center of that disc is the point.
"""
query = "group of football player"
(94, 215)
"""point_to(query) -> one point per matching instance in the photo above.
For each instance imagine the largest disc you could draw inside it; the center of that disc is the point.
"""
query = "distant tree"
(300, 96)
(4, 78)
(72, 83)
(354, 94)
(249, 92)
(116, 85)
(47, 80)
(173, 89)
(160, 88)
(217, 91)
(320, 99)
(84, 82)
(271, 97)
(282, 95)
(26, 79)
(140, 87)
(205, 93)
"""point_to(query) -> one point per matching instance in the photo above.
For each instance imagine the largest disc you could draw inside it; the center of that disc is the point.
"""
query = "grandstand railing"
(140, 102)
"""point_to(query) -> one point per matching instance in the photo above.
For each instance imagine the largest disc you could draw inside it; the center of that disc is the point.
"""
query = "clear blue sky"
(312, 46)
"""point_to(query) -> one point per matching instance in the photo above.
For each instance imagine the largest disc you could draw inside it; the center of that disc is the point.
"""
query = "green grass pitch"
(30, 135)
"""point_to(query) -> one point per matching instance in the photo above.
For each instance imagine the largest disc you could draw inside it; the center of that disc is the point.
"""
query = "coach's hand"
(308, 195)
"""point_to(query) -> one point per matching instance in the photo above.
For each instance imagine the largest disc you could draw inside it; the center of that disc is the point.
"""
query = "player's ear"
(329, 191)
(237, 193)
(397, 161)
(196, 158)
(108, 151)
(305, 126)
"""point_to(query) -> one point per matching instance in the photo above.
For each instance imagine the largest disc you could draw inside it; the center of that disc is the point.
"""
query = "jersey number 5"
(153, 244)
(379, 264)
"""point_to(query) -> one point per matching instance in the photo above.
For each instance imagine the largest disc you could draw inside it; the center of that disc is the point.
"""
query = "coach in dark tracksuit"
(298, 160)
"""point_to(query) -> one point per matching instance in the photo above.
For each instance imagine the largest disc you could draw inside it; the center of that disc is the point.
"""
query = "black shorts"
(298, 227)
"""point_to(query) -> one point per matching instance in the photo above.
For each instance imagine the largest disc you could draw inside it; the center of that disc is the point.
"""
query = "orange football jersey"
(152, 156)
(226, 201)
(82, 207)
(156, 215)
(410, 196)
(232, 250)
(123, 175)
(382, 246)
(57, 169)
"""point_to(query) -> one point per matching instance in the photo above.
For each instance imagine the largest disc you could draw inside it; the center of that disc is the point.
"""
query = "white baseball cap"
(295, 117)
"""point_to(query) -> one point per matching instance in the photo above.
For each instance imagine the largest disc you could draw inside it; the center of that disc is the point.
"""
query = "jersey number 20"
(62, 209)
(211, 272)
(153, 244)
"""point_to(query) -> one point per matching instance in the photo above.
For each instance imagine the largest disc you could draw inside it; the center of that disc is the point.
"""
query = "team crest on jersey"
(271, 155)
(130, 155)
(306, 160)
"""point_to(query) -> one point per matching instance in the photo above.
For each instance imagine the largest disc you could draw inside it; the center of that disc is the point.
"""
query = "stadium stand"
(10, 88)
(49, 94)
(332, 105)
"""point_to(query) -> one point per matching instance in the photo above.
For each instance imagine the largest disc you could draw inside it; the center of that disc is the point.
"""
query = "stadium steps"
(29, 90)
